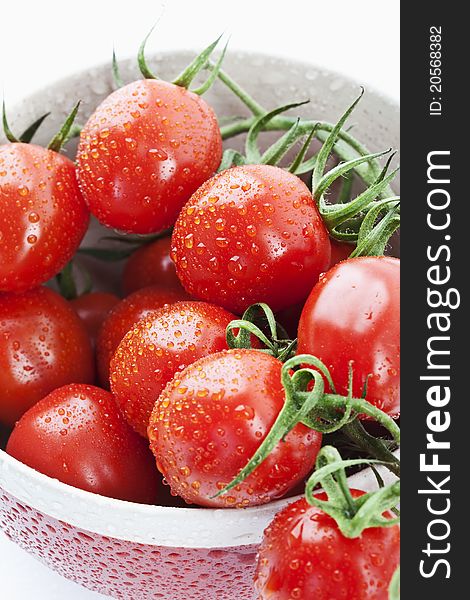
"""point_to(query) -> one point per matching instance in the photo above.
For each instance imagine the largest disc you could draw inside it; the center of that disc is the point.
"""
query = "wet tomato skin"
(144, 151)
(123, 316)
(43, 345)
(353, 314)
(212, 417)
(92, 309)
(304, 555)
(43, 216)
(77, 435)
(251, 234)
(157, 348)
(151, 265)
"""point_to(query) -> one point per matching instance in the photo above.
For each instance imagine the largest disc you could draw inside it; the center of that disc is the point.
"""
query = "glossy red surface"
(353, 314)
(144, 151)
(251, 234)
(43, 216)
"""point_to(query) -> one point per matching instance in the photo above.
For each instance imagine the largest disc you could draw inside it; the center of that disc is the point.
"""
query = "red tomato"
(43, 216)
(211, 419)
(251, 234)
(304, 555)
(123, 316)
(76, 434)
(353, 313)
(157, 348)
(92, 309)
(43, 345)
(339, 251)
(151, 265)
(144, 151)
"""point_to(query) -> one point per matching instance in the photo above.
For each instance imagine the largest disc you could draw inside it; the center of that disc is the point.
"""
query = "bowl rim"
(130, 62)
(165, 526)
(151, 524)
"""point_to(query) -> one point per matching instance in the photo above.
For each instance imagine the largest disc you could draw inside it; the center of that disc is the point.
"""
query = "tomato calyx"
(352, 515)
(345, 146)
(118, 81)
(374, 233)
(322, 412)
(299, 166)
(337, 412)
(186, 77)
(68, 130)
(27, 135)
(276, 342)
(344, 219)
(274, 154)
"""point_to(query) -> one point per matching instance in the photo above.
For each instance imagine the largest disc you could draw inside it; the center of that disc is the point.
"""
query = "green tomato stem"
(352, 515)
(368, 171)
(247, 327)
(247, 100)
(374, 447)
(311, 407)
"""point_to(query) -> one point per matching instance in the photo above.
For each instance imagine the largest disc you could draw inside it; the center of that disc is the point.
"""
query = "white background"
(42, 41)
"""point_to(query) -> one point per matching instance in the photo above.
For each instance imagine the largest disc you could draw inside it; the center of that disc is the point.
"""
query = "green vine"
(352, 515)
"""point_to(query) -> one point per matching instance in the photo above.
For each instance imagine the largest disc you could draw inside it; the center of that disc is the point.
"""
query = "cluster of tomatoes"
(97, 389)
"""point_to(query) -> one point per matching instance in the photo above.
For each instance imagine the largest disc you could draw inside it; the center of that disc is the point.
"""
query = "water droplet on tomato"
(337, 575)
(294, 564)
(251, 230)
(222, 242)
(234, 266)
(158, 154)
(244, 412)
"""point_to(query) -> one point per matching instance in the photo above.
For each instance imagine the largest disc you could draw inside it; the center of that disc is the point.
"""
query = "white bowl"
(136, 551)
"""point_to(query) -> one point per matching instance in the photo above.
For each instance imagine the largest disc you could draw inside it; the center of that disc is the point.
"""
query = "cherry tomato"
(144, 151)
(151, 265)
(210, 420)
(76, 434)
(304, 555)
(251, 234)
(43, 345)
(339, 251)
(157, 348)
(353, 314)
(123, 316)
(43, 216)
(92, 309)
